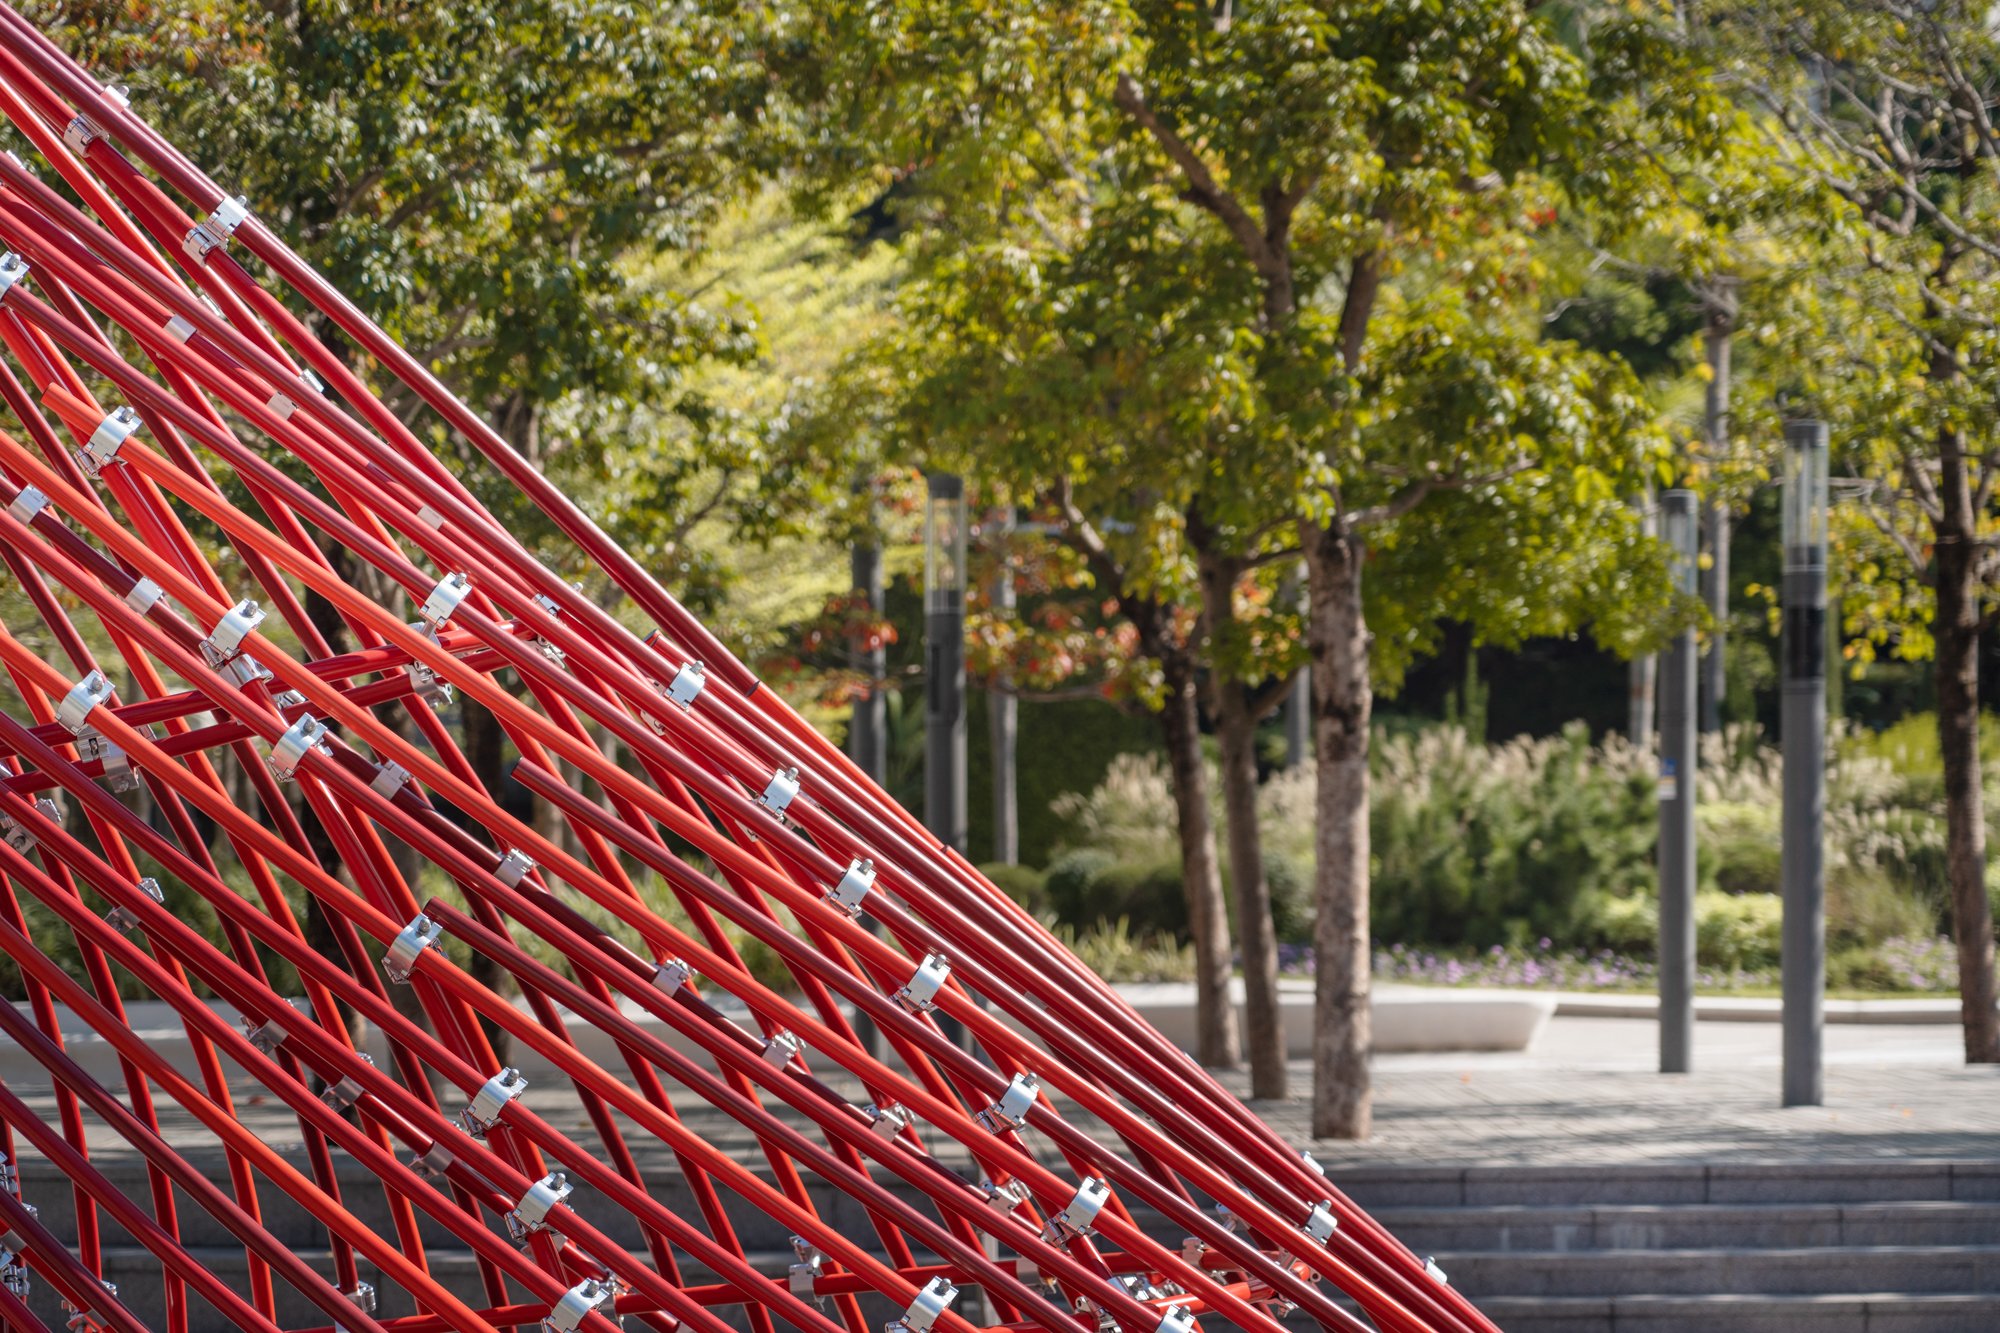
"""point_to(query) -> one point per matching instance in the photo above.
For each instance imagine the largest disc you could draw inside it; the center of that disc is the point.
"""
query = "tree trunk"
(1216, 1041)
(1719, 300)
(1337, 635)
(1957, 635)
(1236, 730)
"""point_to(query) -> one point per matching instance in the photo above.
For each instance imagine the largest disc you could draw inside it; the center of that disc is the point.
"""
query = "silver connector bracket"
(13, 268)
(1080, 1214)
(852, 891)
(923, 1312)
(780, 1048)
(686, 685)
(1175, 1319)
(300, 739)
(343, 1094)
(784, 785)
(27, 502)
(444, 599)
(483, 1112)
(433, 1162)
(144, 596)
(513, 868)
(101, 449)
(424, 683)
(805, 1270)
(180, 328)
(1321, 1223)
(1011, 1111)
(215, 230)
(226, 639)
(920, 995)
(671, 975)
(888, 1121)
(531, 1214)
(586, 1298)
(401, 959)
(1004, 1198)
(390, 778)
(83, 699)
(123, 919)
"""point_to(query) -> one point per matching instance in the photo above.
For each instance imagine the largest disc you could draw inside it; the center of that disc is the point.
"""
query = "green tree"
(1883, 116)
(1260, 283)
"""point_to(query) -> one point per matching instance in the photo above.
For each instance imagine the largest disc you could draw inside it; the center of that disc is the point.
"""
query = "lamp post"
(1003, 710)
(1803, 722)
(944, 666)
(1679, 530)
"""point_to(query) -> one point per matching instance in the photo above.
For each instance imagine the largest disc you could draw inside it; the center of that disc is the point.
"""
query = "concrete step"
(1908, 1269)
(1945, 1312)
(1761, 1226)
(1671, 1183)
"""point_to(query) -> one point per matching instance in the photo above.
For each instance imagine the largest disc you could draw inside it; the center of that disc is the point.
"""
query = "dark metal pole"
(944, 647)
(1803, 720)
(1719, 331)
(1643, 671)
(1003, 711)
(868, 731)
(1677, 773)
(1298, 701)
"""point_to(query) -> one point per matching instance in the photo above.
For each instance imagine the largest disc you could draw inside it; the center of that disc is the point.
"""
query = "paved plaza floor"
(1588, 1093)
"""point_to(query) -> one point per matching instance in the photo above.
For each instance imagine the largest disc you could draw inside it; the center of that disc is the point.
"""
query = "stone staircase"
(1843, 1247)
(1847, 1247)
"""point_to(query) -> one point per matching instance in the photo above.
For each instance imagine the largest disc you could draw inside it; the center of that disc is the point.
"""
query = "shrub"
(1740, 932)
(1024, 884)
(1070, 878)
(1114, 953)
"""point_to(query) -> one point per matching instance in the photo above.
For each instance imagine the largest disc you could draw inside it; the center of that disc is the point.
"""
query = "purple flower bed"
(1894, 965)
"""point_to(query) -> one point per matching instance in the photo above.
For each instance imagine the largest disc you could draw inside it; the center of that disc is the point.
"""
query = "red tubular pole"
(643, 765)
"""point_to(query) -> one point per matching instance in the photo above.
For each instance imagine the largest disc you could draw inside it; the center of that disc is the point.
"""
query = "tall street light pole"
(944, 659)
(1803, 723)
(1678, 529)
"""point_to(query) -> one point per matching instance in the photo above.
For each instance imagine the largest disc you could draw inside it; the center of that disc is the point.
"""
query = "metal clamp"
(424, 683)
(27, 503)
(301, 738)
(343, 1094)
(1320, 1224)
(1436, 1273)
(101, 449)
(444, 599)
(390, 778)
(401, 959)
(118, 774)
(123, 919)
(215, 229)
(144, 594)
(783, 787)
(363, 1297)
(18, 835)
(1080, 1214)
(83, 699)
(852, 891)
(13, 268)
(1312, 1163)
(180, 328)
(1004, 1198)
(1175, 1319)
(10, 1176)
(531, 1214)
(920, 995)
(932, 1301)
(513, 868)
(806, 1269)
(280, 404)
(483, 1112)
(780, 1048)
(1011, 1111)
(433, 1162)
(226, 639)
(687, 683)
(888, 1121)
(671, 975)
(88, 1321)
(267, 1036)
(82, 130)
(587, 1297)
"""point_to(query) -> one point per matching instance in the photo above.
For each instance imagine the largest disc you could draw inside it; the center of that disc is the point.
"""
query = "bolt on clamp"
(226, 639)
(84, 697)
(145, 593)
(852, 891)
(671, 975)
(888, 1121)
(587, 1297)
(1079, 1215)
(444, 599)
(780, 1048)
(932, 1301)
(805, 1270)
(513, 868)
(1011, 1111)
(483, 1112)
(531, 1214)
(1320, 1224)
(920, 995)
(123, 919)
(101, 450)
(27, 502)
(687, 683)
(13, 268)
(783, 787)
(215, 230)
(300, 739)
(401, 959)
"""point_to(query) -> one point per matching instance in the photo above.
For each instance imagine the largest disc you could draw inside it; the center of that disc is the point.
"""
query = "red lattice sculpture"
(1038, 1167)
